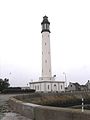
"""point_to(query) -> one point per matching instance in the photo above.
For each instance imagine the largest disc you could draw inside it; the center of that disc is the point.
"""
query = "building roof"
(76, 84)
(45, 20)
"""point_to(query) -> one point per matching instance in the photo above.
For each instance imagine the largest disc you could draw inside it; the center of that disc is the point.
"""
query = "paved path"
(14, 116)
(5, 113)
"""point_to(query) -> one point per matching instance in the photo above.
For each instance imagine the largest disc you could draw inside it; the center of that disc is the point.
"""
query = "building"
(74, 87)
(84, 88)
(46, 82)
(88, 85)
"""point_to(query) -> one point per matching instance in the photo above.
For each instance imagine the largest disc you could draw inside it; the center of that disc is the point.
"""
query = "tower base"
(48, 86)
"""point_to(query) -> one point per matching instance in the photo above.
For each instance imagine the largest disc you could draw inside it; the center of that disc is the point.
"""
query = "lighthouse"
(46, 52)
(46, 82)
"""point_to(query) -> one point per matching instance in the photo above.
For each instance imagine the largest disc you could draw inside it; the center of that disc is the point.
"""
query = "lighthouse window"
(45, 26)
(48, 86)
(49, 70)
(45, 61)
(45, 43)
(61, 86)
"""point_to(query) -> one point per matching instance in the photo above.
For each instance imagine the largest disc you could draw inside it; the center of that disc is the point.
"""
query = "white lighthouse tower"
(46, 54)
(46, 82)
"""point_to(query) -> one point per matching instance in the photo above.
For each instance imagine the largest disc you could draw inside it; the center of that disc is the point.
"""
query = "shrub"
(14, 90)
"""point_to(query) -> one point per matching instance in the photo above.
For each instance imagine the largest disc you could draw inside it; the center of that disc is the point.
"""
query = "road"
(5, 113)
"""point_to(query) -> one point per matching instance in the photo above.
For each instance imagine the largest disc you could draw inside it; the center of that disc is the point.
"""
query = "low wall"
(38, 112)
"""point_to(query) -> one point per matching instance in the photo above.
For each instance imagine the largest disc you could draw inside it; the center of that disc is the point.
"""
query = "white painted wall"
(46, 56)
(48, 86)
(42, 87)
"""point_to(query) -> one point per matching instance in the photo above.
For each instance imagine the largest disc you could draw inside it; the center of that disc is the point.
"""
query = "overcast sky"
(20, 39)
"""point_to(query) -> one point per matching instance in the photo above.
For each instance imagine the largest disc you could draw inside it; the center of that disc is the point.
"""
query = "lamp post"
(65, 78)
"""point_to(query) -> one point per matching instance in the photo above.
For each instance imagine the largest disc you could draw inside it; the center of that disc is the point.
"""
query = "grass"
(57, 100)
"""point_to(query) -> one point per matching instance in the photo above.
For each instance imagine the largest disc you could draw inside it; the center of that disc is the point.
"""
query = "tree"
(4, 84)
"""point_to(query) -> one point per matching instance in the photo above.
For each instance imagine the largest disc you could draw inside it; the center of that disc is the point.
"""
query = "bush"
(14, 90)
(4, 84)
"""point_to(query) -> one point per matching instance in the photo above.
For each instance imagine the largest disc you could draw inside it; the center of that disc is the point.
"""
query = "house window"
(61, 86)
(71, 85)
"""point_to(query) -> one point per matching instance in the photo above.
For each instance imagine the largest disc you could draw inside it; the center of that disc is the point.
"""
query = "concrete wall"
(37, 112)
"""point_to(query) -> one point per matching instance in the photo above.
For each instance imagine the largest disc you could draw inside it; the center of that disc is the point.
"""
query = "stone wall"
(38, 112)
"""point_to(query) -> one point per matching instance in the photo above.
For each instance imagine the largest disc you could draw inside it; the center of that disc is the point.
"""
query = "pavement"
(5, 112)
(14, 116)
